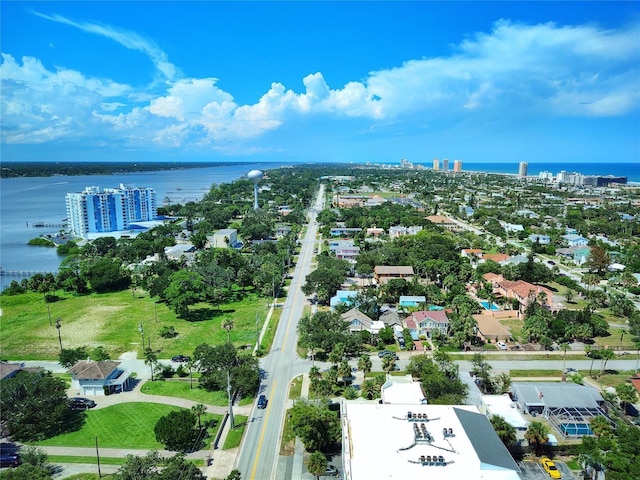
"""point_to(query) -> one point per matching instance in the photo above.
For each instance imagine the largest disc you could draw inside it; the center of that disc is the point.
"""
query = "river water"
(27, 201)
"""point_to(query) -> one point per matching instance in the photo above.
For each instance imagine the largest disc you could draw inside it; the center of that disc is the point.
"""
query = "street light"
(141, 330)
(58, 320)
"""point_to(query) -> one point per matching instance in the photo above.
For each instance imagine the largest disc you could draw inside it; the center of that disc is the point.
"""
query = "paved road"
(259, 452)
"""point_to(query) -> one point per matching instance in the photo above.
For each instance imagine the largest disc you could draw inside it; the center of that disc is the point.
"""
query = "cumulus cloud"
(540, 70)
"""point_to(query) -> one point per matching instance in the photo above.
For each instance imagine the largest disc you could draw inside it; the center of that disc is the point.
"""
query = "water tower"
(255, 176)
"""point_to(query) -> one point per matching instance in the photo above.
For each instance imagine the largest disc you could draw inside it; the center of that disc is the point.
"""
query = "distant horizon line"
(426, 162)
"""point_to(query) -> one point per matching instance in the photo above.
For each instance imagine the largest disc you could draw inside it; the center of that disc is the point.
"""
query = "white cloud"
(130, 40)
(541, 70)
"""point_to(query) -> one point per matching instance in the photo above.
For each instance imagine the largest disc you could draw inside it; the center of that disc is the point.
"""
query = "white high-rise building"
(522, 170)
(436, 164)
(98, 210)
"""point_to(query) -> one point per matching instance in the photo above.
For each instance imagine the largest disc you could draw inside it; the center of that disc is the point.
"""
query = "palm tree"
(317, 464)
(199, 409)
(369, 388)
(388, 363)
(626, 393)
(537, 434)
(506, 432)
(227, 324)
(344, 370)
(364, 364)
(151, 359)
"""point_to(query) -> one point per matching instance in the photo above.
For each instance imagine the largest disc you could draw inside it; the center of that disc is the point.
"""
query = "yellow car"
(550, 467)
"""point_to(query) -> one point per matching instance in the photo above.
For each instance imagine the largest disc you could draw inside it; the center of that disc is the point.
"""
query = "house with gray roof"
(93, 378)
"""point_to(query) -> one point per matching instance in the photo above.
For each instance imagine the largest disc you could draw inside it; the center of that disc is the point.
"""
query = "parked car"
(501, 345)
(630, 410)
(180, 359)
(9, 460)
(550, 467)
(81, 403)
(262, 402)
(331, 471)
(384, 353)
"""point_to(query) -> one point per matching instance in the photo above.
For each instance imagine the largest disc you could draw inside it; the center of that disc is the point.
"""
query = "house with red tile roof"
(521, 291)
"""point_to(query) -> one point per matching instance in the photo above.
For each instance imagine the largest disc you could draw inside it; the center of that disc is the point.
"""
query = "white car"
(502, 345)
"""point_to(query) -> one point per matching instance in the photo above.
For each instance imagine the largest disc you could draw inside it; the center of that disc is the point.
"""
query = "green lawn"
(112, 320)
(234, 437)
(126, 425)
(181, 389)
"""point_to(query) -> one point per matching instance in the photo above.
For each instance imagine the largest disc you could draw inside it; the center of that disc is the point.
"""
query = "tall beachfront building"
(445, 165)
(97, 210)
(457, 166)
(436, 164)
(522, 170)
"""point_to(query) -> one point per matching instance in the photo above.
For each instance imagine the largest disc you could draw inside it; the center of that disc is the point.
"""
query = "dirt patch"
(87, 327)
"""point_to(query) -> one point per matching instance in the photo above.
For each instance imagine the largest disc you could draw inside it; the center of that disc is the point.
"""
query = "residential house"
(225, 238)
(402, 391)
(383, 273)
(527, 213)
(180, 251)
(502, 405)
(344, 231)
(575, 240)
(358, 322)
(9, 370)
(521, 291)
(500, 258)
(426, 322)
(375, 232)
(512, 227)
(541, 239)
(93, 378)
(400, 231)
(411, 300)
(444, 222)
(473, 253)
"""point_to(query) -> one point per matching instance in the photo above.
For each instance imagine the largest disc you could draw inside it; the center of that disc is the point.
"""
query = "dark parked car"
(9, 460)
(80, 403)
(384, 353)
(331, 471)
(180, 358)
(630, 410)
(262, 401)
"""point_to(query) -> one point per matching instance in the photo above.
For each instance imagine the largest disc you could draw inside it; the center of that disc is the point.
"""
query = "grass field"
(234, 437)
(126, 425)
(181, 389)
(112, 320)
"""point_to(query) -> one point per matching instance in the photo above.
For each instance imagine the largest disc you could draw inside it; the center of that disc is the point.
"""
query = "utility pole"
(141, 330)
(58, 327)
(232, 425)
(49, 310)
(98, 456)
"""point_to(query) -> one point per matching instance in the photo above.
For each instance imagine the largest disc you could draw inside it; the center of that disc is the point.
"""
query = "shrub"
(168, 332)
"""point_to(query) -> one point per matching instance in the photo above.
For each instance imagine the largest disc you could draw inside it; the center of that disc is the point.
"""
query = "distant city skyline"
(478, 82)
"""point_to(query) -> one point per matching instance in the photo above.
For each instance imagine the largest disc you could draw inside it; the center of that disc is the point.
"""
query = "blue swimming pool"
(576, 429)
(487, 306)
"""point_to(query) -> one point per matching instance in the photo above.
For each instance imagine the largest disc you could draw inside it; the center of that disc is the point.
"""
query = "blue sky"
(320, 81)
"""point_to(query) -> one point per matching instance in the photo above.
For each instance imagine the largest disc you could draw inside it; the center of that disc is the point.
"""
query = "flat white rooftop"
(380, 442)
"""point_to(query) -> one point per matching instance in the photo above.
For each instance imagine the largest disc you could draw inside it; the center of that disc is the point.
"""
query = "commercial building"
(97, 210)
(445, 165)
(436, 164)
(417, 440)
(457, 166)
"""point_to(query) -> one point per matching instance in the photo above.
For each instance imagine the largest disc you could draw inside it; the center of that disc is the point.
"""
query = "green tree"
(177, 431)
(106, 275)
(537, 435)
(317, 464)
(388, 363)
(227, 324)
(316, 425)
(199, 409)
(364, 364)
(151, 359)
(506, 432)
(234, 475)
(601, 427)
(69, 356)
(154, 467)
(370, 389)
(626, 393)
(185, 288)
(34, 407)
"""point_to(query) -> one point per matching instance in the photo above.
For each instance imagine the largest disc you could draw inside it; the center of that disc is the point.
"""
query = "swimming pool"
(576, 429)
(487, 306)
